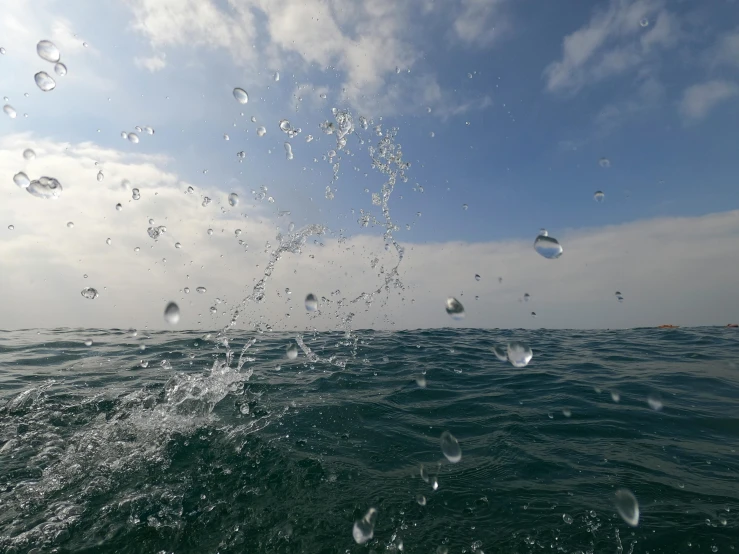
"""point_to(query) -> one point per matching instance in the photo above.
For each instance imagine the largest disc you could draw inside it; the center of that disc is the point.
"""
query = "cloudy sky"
(511, 114)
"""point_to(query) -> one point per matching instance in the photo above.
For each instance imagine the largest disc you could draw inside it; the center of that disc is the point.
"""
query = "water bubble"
(133, 137)
(108, 241)
(454, 308)
(45, 187)
(70, 224)
(477, 277)
(201, 290)
(21, 179)
(627, 507)
(172, 313)
(599, 196)
(364, 529)
(655, 402)
(292, 351)
(48, 51)
(241, 96)
(288, 151)
(450, 447)
(89, 293)
(311, 303)
(644, 22)
(604, 162)
(44, 81)
(548, 247)
(88, 342)
(421, 499)
(567, 518)
(60, 69)
(29, 154)
(322, 96)
(10, 111)
(519, 354)
(135, 194)
(500, 353)
(261, 131)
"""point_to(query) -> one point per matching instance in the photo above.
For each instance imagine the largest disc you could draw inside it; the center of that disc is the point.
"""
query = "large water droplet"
(454, 308)
(261, 131)
(288, 151)
(2, 50)
(201, 290)
(60, 69)
(172, 313)
(450, 447)
(70, 224)
(45, 187)
(89, 293)
(233, 199)
(241, 155)
(627, 507)
(477, 277)
(292, 351)
(500, 353)
(29, 154)
(548, 247)
(241, 96)
(364, 529)
(285, 126)
(88, 342)
(311, 302)
(135, 194)
(48, 51)
(21, 179)
(44, 81)
(10, 111)
(108, 241)
(100, 176)
(11, 227)
(519, 354)
(599, 196)
(149, 130)
(119, 207)
(133, 137)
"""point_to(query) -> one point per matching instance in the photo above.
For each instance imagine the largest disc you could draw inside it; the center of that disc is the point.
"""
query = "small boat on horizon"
(668, 327)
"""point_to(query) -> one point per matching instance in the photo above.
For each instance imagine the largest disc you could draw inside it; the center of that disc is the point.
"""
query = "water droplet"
(137, 249)
(44, 81)
(450, 447)
(70, 224)
(205, 202)
(311, 303)
(519, 354)
(261, 131)
(285, 126)
(567, 412)
(60, 69)
(465, 207)
(644, 22)
(10, 111)
(48, 51)
(119, 207)
(615, 396)
(254, 119)
(364, 529)
(11, 227)
(2, 50)
(454, 308)
(655, 402)
(421, 499)
(172, 313)
(210, 231)
(156, 232)
(88, 342)
(627, 507)
(241, 155)
(241, 96)
(604, 162)
(89, 293)
(177, 245)
(526, 297)
(421, 381)
(288, 151)
(100, 176)
(237, 232)
(500, 353)
(29, 154)
(435, 483)
(45, 187)
(135, 194)
(21, 179)
(567, 518)
(548, 247)
(292, 351)
(149, 130)
(108, 241)
(599, 196)
(201, 290)
(477, 277)
(277, 76)
(533, 314)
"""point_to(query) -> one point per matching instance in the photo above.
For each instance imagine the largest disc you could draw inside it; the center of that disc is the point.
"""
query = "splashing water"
(364, 529)
(45, 187)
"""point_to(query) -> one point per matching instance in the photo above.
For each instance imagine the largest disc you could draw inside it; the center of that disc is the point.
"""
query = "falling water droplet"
(519, 354)
(89, 293)
(10, 111)
(454, 308)
(285, 126)
(149, 130)
(60, 69)
(500, 353)
(421, 381)
(644, 22)
(604, 162)
(364, 529)
(464, 207)
(100, 176)
(45, 187)
(261, 131)
(477, 277)
(119, 207)
(450, 447)
(292, 351)
(177, 245)
(311, 303)
(70, 224)
(627, 507)
(599, 196)
(277, 76)
(233, 199)
(237, 232)
(201, 290)
(21, 179)
(11, 227)
(241, 155)
(108, 241)
(241, 96)
(567, 518)
(135, 194)
(210, 231)
(288, 151)
(526, 297)
(533, 314)
(655, 402)
(2, 50)
(172, 313)
(29, 154)
(421, 499)
(48, 51)
(88, 342)
(44, 81)
(548, 247)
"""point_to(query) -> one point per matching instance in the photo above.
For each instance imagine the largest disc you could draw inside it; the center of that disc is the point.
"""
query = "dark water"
(98, 454)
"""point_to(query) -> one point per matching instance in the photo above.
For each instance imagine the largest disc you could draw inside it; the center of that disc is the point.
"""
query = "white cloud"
(613, 115)
(727, 49)
(612, 43)
(154, 63)
(700, 99)
(480, 22)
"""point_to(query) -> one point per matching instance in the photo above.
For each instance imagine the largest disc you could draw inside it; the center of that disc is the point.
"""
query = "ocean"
(154, 442)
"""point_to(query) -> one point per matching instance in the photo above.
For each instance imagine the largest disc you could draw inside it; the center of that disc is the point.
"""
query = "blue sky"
(651, 85)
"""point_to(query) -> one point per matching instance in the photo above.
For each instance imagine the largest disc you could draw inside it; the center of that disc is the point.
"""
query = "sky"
(509, 114)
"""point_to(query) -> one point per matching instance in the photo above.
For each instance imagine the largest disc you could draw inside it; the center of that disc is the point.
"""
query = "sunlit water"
(169, 442)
